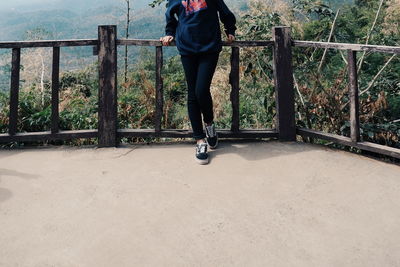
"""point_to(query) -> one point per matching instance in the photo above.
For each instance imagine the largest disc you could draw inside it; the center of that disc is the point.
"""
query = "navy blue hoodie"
(197, 29)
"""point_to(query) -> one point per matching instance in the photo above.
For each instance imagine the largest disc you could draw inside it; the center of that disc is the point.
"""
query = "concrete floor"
(255, 204)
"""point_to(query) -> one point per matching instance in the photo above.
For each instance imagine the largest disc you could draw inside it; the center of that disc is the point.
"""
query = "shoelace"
(210, 130)
(201, 148)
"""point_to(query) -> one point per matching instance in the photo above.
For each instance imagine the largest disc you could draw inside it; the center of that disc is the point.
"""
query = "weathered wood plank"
(55, 84)
(354, 99)
(248, 43)
(14, 92)
(107, 86)
(346, 141)
(167, 133)
(144, 42)
(177, 133)
(95, 50)
(159, 89)
(43, 136)
(338, 139)
(234, 82)
(346, 46)
(283, 77)
(49, 43)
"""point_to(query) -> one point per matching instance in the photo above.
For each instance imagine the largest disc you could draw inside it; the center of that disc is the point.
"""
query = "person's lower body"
(199, 71)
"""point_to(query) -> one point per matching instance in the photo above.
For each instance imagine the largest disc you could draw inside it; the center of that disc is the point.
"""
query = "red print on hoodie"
(192, 6)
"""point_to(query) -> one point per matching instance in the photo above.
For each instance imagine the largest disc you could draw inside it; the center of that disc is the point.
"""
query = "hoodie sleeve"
(227, 17)
(171, 21)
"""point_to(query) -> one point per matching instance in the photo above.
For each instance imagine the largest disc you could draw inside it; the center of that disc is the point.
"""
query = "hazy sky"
(30, 5)
(16, 3)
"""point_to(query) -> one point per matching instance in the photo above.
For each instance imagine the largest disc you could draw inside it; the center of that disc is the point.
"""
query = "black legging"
(199, 71)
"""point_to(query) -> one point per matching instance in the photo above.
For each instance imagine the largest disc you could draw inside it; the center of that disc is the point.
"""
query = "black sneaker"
(212, 136)
(201, 153)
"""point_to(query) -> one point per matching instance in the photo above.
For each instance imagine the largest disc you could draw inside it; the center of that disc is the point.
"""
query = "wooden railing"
(108, 133)
(55, 133)
(355, 139)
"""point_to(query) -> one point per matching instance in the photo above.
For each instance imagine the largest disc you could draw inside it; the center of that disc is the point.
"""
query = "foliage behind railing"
(108, 133)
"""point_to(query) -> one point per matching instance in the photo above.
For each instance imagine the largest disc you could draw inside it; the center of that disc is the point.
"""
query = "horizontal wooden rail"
(151, 42)
(49, 43)
(346, 46)
(346, 141)
(168, 133)
(47, 135)
(178, 133)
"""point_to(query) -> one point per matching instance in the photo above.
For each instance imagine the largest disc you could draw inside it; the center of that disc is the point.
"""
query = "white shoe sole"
(202, 161)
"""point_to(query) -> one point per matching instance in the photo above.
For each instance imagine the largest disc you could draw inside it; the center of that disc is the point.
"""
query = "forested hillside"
(79, 19)
(71, 23)
(49, 19)
(72, 5)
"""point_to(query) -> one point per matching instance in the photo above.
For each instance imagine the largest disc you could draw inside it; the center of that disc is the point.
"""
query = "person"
(197, 35)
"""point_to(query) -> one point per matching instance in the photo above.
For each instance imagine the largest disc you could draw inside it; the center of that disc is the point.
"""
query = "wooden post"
(354, 99)
(284, 89)
(14, 92)
(159, 89)
(55, 85)
(107, 86)
(234, 81)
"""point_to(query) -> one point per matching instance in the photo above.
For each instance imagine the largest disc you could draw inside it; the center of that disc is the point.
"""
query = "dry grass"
(220, 90)
(392, 18)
